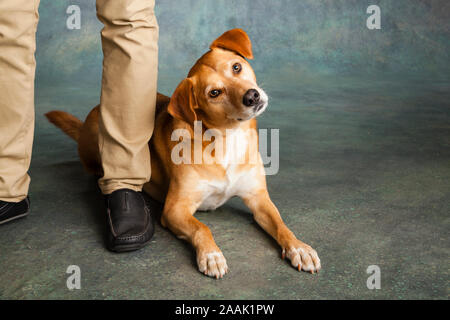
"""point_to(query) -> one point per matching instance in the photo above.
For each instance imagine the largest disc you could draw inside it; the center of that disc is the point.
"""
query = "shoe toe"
(131, 224)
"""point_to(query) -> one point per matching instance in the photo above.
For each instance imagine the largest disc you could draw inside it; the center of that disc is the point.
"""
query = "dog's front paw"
(212, 264)
(302, 257)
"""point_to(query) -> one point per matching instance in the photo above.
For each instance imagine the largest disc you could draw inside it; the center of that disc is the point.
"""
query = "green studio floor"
(364, 179)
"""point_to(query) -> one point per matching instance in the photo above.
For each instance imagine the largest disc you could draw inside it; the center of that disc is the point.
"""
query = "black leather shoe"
(131, 226)
(10, 211)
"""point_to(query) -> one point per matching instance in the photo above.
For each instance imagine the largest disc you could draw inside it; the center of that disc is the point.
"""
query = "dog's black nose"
(251, 98)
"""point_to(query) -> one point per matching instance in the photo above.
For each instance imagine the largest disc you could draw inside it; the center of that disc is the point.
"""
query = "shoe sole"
(129, 247)
(23, 215)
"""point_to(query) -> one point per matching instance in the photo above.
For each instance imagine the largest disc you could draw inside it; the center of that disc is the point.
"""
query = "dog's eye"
(215, 93)
(237, 67)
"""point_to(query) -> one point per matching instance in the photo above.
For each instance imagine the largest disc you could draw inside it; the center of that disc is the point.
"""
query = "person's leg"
(128, 99)
(126, 120)
(18, 23)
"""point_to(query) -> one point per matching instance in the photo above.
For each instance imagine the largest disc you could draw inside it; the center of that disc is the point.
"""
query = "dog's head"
(221, 88)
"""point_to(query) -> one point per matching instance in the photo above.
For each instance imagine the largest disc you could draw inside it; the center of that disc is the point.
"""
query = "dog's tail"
(72, 125)
(66, 122)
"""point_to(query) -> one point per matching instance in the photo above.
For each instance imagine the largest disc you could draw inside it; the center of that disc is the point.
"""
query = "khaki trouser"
(128, 98)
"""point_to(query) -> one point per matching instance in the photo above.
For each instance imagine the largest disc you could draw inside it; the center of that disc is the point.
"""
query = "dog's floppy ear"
(182, 104)
(235, 40)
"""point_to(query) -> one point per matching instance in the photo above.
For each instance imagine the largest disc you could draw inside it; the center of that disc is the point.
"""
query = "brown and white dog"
(221, 92)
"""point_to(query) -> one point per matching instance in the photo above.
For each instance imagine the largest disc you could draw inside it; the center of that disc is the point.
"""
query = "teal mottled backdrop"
(364, 149)
(304, 36)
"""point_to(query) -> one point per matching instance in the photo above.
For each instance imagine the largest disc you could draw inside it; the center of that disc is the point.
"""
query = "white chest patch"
(236, 182)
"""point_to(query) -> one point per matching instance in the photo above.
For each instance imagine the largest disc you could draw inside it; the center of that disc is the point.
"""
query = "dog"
(220, 91)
